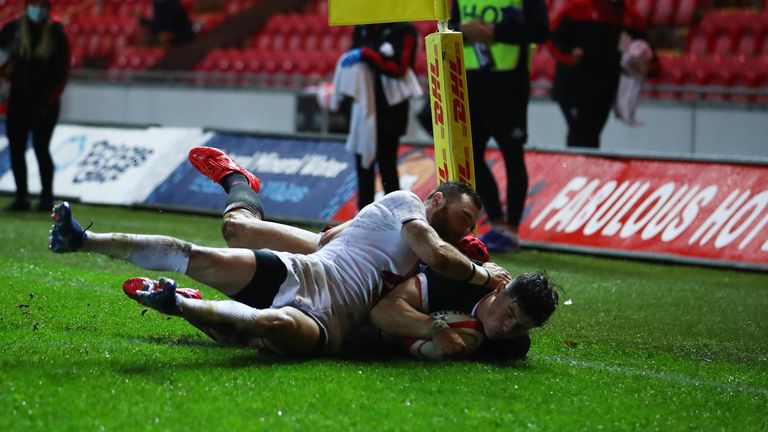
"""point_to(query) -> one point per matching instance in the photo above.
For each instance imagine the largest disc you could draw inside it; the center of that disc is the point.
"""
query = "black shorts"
(262, 289)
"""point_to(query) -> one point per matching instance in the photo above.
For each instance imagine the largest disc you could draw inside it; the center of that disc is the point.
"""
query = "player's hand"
(577, 54)
(449, 342)
(499, 276)
(478, 31)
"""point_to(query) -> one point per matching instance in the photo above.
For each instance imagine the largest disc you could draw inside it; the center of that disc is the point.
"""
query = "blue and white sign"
(110, 165)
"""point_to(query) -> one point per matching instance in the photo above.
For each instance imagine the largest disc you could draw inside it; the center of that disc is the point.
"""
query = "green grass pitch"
(657, 347)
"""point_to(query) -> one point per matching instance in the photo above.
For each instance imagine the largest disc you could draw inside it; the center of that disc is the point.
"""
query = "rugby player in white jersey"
(507, 313)
(305, 303)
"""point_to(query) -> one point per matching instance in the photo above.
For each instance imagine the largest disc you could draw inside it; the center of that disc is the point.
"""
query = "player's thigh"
(226, 269)
(259, 234)
(293, 332)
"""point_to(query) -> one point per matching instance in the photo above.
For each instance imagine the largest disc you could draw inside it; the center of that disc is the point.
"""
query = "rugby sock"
(225, 317)
(240, 194)
(151, 252)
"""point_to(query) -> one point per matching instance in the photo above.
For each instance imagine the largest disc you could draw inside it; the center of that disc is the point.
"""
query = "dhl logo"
(436, 91)
(457, 89)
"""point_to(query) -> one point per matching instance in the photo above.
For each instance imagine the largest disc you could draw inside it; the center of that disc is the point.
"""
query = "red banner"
(667, 209)
(703, 210)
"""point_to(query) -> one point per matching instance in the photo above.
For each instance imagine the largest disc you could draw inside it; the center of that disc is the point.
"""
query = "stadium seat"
(344, 42)
(278, 23)
(691, 73)
(671, 74)
(715, 71)
(327, 42)
(724, 42)
(645, 8)
(664, 12)
(698, 44)
(744, 77)
(684, 13)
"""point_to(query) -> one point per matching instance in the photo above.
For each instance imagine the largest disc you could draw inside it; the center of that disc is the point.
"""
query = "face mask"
(36, 13)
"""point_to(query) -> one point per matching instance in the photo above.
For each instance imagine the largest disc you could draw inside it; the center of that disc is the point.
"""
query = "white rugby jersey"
(340, 283)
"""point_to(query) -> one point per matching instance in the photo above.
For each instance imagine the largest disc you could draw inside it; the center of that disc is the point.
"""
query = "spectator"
(38, 52)
(168, 26)
(586, 37)
(497, 36)
(389, 50)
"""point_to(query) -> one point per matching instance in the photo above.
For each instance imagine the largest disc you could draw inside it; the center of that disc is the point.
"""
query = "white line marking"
(662, 376)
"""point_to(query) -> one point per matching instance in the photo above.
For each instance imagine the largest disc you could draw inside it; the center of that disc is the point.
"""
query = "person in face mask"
(38, 57)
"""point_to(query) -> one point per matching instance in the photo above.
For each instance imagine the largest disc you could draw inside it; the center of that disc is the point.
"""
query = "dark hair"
(536, 294)
(453, 190)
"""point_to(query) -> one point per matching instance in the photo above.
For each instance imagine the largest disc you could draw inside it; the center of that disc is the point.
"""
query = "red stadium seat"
(724, 42)
(278, 42)
(295, 42)
(278, 23)
(311, 42)
(315, 25)
(691, 73)
(699, 44)
(685, 11)
(344, 42)
(749, 43)
(664, 12)
(296, 24)
(263, 42)
(716, 71)
(671, 74)
(744, 77)
(645, 8)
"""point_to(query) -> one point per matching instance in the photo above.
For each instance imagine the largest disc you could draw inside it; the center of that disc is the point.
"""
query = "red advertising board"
(691, 211)
(703, 210)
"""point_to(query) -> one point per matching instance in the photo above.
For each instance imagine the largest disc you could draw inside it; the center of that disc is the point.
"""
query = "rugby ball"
(469, 328)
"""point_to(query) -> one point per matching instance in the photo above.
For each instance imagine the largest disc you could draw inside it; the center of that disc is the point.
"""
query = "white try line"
(662, 376)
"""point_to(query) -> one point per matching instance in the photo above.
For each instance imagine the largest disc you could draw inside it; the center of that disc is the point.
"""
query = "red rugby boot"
(215, 164)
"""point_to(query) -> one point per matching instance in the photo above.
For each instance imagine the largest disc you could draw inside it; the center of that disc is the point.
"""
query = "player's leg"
(286, 330)
(243, 228)
(243, 224)
(227, 270)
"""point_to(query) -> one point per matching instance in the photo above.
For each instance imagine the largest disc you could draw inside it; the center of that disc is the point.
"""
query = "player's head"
(525, 303)
(452, 209)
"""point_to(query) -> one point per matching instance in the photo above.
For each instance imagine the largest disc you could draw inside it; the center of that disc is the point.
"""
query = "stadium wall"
(670, 128)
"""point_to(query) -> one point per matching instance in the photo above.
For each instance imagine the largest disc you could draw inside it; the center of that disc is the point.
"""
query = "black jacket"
(36, 80)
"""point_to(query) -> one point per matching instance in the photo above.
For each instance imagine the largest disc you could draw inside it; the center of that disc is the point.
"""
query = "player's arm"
(398, 316)
(446, 260)
(332, 233)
